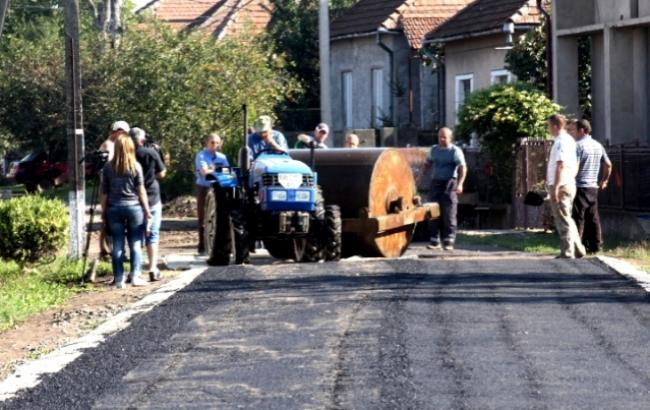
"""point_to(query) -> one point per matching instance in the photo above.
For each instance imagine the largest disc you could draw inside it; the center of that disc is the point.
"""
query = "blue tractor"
(275, 199)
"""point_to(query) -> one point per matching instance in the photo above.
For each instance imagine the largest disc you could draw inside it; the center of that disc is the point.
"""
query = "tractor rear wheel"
(242, 245)
(218, 228)
(332, 233)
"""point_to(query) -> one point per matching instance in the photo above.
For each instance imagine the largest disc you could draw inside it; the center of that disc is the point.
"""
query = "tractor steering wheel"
(265, 150)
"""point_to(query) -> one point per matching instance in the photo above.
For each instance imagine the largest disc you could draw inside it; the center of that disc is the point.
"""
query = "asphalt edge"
(626, 269)
(28, 374)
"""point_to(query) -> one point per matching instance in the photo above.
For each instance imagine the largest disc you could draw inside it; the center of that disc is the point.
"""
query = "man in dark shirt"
(153, 168)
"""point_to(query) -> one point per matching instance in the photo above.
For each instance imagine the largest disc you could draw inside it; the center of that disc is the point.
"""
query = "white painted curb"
(28, 375)
(628, 270)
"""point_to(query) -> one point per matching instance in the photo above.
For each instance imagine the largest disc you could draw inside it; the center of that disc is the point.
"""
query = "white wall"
(476, 56)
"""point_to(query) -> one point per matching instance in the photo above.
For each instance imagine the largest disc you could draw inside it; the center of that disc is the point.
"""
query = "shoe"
(138, 281)
(129, 278)
(155, 275)
(448, 247)
(433, 245)
(119, 285)
(564, 257)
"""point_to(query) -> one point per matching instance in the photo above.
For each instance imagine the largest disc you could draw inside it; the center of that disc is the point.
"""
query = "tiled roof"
(414, 17)
(218, 17)
(486, 15)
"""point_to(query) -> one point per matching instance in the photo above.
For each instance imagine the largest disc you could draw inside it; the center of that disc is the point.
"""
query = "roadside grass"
(30, 290)
(549, 243)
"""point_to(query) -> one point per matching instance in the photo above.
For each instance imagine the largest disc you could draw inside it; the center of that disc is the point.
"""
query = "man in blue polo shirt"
(449, 171)
(266, 138)
(206, 162)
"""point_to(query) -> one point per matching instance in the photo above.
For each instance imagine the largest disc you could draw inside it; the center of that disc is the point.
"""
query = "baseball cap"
(120, 125)
(263, 123)
(323, 127)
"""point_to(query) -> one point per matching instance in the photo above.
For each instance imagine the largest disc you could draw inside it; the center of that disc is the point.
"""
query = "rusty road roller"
(375, 189)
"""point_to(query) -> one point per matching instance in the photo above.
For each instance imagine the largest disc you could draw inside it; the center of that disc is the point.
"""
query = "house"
(218, 17)
(619, 38)
(377, 74)
(476, 41)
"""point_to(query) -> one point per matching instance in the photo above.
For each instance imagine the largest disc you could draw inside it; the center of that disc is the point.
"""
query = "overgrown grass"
(24, 292)
(549, 243)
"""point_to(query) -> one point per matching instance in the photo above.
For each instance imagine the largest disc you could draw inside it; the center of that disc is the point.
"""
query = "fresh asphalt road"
(467, 333)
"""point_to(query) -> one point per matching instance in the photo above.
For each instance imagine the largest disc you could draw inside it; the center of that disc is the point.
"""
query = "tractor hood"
(275, 164)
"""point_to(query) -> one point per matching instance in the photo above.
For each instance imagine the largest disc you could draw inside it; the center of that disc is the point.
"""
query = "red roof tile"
(486, 15)
(218, 17)
(414, 17)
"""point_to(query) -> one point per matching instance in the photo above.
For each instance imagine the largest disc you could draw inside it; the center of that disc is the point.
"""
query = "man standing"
(561, 183)
(591, 155)
(320, 135)
(266, 138)
(449, 171)
(153, 168)
(206, 162)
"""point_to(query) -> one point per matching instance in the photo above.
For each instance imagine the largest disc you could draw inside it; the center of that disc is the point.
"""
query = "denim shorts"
(154, 225)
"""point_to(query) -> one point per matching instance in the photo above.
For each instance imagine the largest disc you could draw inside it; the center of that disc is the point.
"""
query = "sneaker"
(448, 246)
(119, 285)
(155, 275)
(138, 281)
(433, 245)
(129, 278)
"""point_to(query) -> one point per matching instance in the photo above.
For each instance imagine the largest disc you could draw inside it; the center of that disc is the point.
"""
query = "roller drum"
(367, 184)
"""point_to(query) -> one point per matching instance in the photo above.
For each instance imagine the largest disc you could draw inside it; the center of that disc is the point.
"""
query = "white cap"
(121, 125)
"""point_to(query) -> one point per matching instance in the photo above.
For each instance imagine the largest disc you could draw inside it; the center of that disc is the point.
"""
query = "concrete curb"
(29, 374)
(628, 270)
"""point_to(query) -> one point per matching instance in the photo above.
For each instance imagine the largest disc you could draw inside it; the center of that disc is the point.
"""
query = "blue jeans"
(156, 220)
(127, 220)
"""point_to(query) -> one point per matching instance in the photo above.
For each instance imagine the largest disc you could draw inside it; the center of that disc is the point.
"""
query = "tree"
(178, 87)
(499, 116)
(528, 61)
(294, 32)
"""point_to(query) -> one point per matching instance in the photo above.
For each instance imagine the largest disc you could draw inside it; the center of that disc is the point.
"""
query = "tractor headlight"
(303, 196)
(278, 195)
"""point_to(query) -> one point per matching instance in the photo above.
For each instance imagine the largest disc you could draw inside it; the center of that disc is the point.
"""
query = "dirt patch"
(181, 207)
(56, 327)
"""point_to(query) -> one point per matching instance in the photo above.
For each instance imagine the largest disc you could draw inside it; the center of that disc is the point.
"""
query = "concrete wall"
(620, 63)
(476, 56)
(360, 56)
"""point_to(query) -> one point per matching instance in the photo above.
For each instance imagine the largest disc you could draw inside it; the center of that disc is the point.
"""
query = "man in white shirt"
(560, 179)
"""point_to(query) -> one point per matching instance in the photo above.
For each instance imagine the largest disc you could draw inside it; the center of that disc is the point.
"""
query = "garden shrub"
(32, 227)
(499, 116)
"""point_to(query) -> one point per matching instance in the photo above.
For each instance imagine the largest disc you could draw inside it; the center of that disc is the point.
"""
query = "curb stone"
(28, 375)
(628, 270)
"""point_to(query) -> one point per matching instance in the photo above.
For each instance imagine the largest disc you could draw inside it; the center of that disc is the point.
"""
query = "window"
(377, 88)
(346, 92)
(500, 77)
(464, 86)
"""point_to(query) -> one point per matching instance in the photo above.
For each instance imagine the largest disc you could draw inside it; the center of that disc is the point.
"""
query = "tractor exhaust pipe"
(244, 152)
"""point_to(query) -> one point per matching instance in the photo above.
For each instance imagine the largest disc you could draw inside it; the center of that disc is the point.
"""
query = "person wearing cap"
(118, 128)
(206, 162)
(266, 138)
(351, 141)
(153, 168)
(320, 135)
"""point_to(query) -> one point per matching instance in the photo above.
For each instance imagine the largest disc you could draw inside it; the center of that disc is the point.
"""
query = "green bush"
(32, 227)
(499, 116)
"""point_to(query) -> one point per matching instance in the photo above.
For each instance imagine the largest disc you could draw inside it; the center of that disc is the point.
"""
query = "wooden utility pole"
(4, 5)
(74, 128)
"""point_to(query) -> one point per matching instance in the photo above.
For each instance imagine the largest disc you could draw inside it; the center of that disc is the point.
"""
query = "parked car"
(38, 173)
